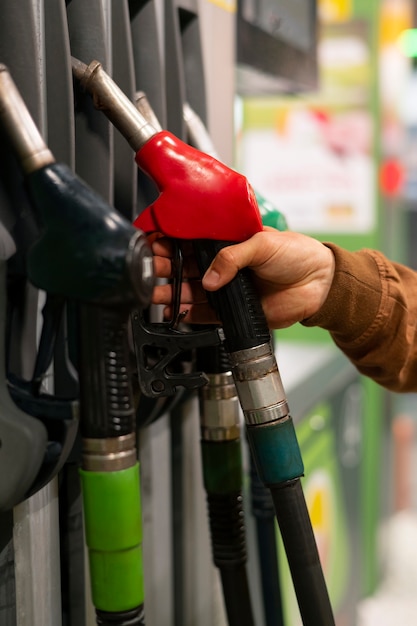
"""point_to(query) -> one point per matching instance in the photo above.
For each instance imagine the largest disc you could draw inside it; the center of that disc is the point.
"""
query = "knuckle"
(226, 257)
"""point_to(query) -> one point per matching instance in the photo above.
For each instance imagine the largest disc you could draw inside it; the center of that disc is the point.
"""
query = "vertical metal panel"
(218, 25)
(148, 47)
(94, 134)
(174, 70)
(21, 49)
(155, 464)
(124, 167)
(192, 56)
(37, 563)
(146, 23)
(58, 79)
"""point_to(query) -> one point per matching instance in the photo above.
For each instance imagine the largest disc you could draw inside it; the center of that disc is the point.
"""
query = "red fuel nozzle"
(200, 198)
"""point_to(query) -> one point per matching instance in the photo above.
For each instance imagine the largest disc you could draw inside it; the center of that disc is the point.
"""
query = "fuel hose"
(270, 431)
(221, 453)
(261, 501)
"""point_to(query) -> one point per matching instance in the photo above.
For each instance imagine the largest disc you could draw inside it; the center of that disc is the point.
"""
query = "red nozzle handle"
(200, 198)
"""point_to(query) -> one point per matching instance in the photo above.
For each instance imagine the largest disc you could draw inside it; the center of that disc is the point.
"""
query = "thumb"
(227, 263)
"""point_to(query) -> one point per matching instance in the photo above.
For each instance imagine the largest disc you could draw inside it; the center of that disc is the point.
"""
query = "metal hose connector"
(219, 408)
(259, 386)
(110, 454)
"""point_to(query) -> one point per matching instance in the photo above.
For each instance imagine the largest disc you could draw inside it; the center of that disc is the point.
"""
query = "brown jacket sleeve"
(371, 313)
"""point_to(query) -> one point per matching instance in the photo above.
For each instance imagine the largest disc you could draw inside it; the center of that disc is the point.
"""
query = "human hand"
(292, 272)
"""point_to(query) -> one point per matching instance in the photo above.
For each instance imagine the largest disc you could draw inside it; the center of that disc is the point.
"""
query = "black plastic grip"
(104, 364)
(213, 360)
(227, 527)
(237, 304)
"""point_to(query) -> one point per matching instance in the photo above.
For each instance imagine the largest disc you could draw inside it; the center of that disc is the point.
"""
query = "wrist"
(356, 281)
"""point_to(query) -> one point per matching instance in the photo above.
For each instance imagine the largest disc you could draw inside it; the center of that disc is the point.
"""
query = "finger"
(191, 293)
(151, 237)
(163, 247)
(194, 314)
(162, 267)
(228, 262)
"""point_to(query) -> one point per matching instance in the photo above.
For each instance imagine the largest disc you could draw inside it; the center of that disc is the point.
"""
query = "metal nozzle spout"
(197, 132)
(29, 146)
(110, 99)
(144, 107)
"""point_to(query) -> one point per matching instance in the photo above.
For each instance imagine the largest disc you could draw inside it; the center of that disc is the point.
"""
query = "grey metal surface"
(124, 166)
(174, 70)
(147, 31)
(58, 79)
(148, 49)
(37, 563)
(20, 23)
(155, 477)
(94, 134)
(218, 25)
(21, 49)
(192, 56)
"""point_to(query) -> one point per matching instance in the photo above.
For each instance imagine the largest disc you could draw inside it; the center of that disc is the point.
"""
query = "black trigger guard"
(157, 345)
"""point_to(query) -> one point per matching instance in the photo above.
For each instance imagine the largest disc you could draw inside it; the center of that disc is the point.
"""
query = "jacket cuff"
(354, 297)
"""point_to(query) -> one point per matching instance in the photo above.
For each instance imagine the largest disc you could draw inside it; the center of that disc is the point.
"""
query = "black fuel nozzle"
(87, 250)
(89, 253)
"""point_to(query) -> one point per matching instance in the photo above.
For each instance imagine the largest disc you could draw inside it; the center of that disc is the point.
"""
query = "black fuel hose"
(270, 430)
(263, 512)
(223, 481)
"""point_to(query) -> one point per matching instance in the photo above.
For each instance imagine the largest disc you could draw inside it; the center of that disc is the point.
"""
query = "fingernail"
(211, 278)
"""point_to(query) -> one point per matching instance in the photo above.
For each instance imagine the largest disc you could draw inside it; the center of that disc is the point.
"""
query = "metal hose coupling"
(258, 385)
(219, 408)
(109, 98)
(109, 454)
(270, 428)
